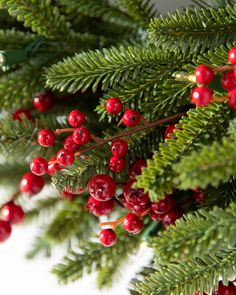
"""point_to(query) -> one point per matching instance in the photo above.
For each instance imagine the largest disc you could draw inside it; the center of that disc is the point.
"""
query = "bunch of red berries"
(223, 290)
(10, 214)
(202, 95)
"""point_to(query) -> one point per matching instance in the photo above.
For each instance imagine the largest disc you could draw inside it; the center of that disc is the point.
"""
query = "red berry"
(139, 210)
(81, 135)
(70, 145)
(99, 208)
(171, 216)
(132, 223)
(232, 99)
(12, 213)
(116, 164)
(203, 74)
(46, 137)
(107, 237)
(68, 196)
(76, 118)
(53, 167)
(5, 230)
(228, 81)
(169, 130)
(119, 148)
(65, 158)
(136, 168)
(31, 183)
(131, 118)
(102, 187)
(21, 113)
(135, 196)
(154, 216)
(226, 290)
(39, 166)
(121, 199)
(232, 56)
(163, 205)
(43, 102)
(201, 96)
(114, 105)
(199, 195)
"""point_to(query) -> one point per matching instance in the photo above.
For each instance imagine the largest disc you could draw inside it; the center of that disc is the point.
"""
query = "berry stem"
(113, 224)
(220, 99)
(130, 132)
(65, 130)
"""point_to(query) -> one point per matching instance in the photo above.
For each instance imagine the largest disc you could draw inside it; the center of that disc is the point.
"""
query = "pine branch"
(11, 172)
(141, 10)
(40, 245)
(210, 165)
(198, 29)
(94, 256)
(201, 126)
(201, 273)
(12, 39)
(198, 233)
(108, 67)
(71, 221)
(45, 19)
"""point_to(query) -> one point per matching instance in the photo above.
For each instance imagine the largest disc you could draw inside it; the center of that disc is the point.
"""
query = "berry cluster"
(202, 95)
(223, 290)
(10, 214)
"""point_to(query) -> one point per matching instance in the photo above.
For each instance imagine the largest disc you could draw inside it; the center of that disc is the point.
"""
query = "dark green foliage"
(198, 29)
(200, 126)
(12, 39)
(212, 164)
(198, 233)
(201, 273)
(94, 256)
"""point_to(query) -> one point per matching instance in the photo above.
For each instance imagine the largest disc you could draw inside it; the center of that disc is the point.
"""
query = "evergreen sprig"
(196, 234)
(197, 274)
(212, 164)
(200, 126)
(94, 256)
(194, 30)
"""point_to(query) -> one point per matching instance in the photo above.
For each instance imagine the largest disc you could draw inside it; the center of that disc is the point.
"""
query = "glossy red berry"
(81, 135)
(114, 105)
(119, 148)
(76, 118)
(5, 230)
(163, 205)
(201, 96)
(169, 130)
(68, 196)
(228, 81)
(53, 166)
(199, 195)
(107, 237)
(232, 99)
(39, 166)
(139, 210)
(20, 114)
(12, 213)
(46, 137)
(203, 74)
(155, 216)
(99, 208)
(131, 118)
(135, 196)
(65, 158)
(132, 223)
(232, 56)
(102, 187)
(226, 290)
(116, 164)
(70, 145)
(171, 216)
(136, 168)
(43, 102)
(31, 183)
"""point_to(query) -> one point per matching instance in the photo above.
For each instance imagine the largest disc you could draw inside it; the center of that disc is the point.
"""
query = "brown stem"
(216, 70)
(65, 130)
(113, 224)
(130, 132)
(15, 195)
(220, 99)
